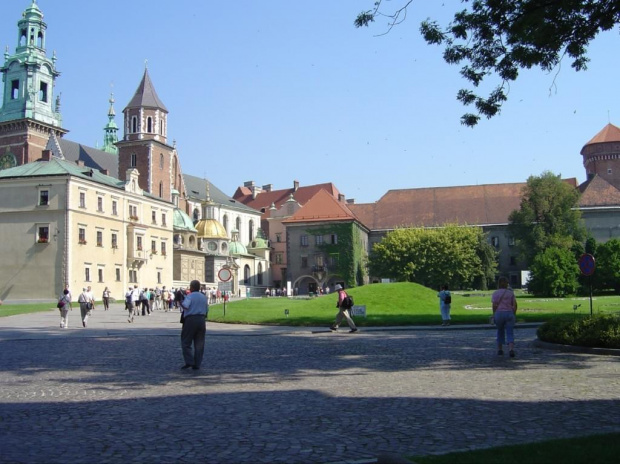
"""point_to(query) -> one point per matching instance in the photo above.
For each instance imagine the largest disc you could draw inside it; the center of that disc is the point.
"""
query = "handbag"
(89, 305)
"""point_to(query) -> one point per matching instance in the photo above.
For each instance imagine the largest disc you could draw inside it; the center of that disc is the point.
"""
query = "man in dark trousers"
(195, 308)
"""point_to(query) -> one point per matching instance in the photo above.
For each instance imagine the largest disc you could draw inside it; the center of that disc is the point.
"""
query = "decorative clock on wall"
(7, 161)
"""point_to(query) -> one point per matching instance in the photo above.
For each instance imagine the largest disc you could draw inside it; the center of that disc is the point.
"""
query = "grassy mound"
(600, 331)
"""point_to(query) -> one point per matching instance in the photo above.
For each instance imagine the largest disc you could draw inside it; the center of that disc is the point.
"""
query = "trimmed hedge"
(600, 331)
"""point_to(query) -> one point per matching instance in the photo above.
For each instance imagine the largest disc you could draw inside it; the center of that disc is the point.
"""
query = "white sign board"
(358, 310)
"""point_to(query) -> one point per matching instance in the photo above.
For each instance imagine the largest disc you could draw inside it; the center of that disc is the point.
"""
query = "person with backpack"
(63, 307)
(445, 300)
(344, 305)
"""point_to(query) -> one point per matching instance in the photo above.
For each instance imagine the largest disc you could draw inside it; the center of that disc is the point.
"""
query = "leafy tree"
(547, 217)
(607, 273)
(454, 255)
(501, 37)
(554, 273)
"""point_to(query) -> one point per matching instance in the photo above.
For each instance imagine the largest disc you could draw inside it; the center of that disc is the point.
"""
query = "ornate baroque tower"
(29, 113)
(145, 146)
(111, 131)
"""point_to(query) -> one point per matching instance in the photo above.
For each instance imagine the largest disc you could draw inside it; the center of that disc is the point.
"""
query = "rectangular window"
(134, 160)
(163, 219)
(319, 260)
(133, 212)
(304, 261)
(44, 199)
(278, 237)
(139, 243)
(334, 239)
(114, 241)
(318, 239)
(100, 204)
(495, 241)
(159, 277)
(154, 217)
(511, 241)
(82, 236)
(333, 259)
(43, 234)
(153, 246)
(114, 208)
(100, 274)
(43, 92)
(278, 258)
(163, 248)
(99, 238)
(82, 200)
(87, 274)
(133, 276)
(513, 261)
(304, 240)
(15, 89)
(118, 274)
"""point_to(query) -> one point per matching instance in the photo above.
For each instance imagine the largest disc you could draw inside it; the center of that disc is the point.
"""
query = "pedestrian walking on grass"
(445, 302)
(504, 314)
(343, 310)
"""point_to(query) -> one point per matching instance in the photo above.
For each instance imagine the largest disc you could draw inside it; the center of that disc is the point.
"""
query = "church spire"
(29, 75)
(146, 117)
(111, 130)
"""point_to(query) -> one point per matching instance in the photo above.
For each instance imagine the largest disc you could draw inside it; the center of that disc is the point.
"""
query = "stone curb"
(576, 349)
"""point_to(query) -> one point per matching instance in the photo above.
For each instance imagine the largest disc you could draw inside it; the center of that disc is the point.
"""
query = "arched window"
(192, 241)
(246, 275)
(134, 124)
(161, 189)
(238, 226)
(196, 214)
(260, 274)
(149, 124)
(40, 39)
(251, 230)
(161, 161)
(225, 222)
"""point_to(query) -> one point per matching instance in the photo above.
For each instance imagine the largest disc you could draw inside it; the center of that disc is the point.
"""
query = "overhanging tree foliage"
(501, 37)
(547, 217)
(458, 256)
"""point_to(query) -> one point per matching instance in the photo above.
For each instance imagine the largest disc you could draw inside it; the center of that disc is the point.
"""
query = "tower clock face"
(7, 161)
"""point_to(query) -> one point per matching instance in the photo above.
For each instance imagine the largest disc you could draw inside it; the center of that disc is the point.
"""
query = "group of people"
(86, 300)
(504, 304)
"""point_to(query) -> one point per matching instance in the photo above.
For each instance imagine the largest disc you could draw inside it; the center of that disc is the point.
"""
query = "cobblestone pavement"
(114, 392)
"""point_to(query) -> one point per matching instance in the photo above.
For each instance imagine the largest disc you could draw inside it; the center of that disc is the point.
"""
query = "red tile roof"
(434, 207)
(609, 133)
(278, 197)
(598, 192)
(321, 207)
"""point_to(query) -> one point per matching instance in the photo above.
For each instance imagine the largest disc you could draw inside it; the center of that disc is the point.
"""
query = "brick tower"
(601, 155)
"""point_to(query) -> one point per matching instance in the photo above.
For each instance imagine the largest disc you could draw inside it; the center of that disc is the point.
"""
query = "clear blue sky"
(279, 90)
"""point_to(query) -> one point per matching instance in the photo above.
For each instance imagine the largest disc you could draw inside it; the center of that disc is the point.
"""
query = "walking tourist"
(343, 311)
(504, 314)
(445, 301)
(195, 309)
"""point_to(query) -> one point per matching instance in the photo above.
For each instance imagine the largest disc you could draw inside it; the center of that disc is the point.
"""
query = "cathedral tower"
(145, 145)
(29, 113)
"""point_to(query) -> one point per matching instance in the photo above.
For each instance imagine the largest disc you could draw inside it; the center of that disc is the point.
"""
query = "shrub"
(602, 331)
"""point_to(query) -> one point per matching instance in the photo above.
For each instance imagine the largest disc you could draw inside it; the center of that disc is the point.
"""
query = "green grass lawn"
(599, 449)
(394, 304)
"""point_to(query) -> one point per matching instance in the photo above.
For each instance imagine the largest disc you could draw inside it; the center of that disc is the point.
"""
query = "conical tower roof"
(609, 133)
(146, 96)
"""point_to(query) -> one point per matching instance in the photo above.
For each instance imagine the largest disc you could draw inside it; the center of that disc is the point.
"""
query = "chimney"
(268, 187)
(46, 155)
(351, 201)
(80, 163)
(341, 197)
(295, 185)
(249, 183)
(255, 191)
(104, 172)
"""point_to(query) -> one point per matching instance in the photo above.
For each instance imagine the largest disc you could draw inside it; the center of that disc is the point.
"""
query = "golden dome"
(211, 228)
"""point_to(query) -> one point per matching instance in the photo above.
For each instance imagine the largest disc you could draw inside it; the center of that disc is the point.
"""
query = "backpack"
(447, 299)
(347, 302)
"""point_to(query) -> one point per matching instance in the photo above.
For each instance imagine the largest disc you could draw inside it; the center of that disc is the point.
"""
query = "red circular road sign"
(587, 264)
(224, 274)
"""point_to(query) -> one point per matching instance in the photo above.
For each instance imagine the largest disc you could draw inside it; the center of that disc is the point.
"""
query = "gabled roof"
(598, 192)
(322, 207)
(609, 133)
(278, 197)
(92, 157)
(146, 96)
(196, 189)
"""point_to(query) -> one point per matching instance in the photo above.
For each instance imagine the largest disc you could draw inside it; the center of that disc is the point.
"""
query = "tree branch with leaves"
(501, 37)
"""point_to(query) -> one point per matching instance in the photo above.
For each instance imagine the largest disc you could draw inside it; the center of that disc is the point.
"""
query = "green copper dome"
(182, 221)
(260, 241)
